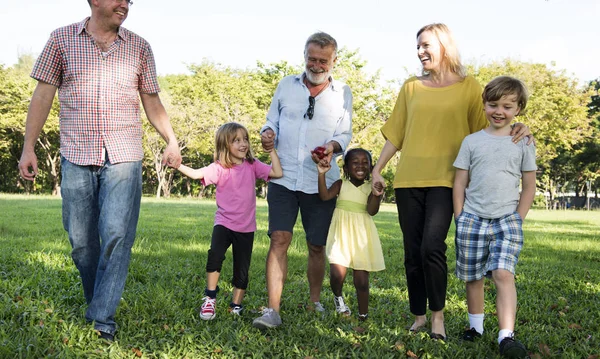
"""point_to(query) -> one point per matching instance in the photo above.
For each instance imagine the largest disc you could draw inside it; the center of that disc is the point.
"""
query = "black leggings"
(222, 238)
(424, 215)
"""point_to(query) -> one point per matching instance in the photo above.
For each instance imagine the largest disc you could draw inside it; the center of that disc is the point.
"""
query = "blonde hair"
(450, 57)
(223, 138)
(504, 86)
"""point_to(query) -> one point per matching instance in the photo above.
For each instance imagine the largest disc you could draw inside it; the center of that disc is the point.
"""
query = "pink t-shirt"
(236, 193)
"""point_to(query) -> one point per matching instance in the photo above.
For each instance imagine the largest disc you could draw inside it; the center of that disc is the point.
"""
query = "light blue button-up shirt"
(296, 135)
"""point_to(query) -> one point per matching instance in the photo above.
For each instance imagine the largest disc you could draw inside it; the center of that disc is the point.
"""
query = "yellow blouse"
(428, 125)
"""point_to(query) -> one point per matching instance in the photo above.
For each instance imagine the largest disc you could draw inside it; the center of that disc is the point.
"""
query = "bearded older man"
(308, 110)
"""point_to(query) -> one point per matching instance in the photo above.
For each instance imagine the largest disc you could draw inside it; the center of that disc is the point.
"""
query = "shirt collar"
(83, 26)
(332, 82)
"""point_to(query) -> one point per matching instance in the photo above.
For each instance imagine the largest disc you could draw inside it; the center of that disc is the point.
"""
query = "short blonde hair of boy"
(504, 86)
(223, 139)
(451, 56)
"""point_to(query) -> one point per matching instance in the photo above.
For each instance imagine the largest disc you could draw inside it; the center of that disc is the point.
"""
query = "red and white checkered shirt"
(98, 92)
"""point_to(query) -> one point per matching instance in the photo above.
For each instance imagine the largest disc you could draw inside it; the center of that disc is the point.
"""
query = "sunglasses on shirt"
(310, 111)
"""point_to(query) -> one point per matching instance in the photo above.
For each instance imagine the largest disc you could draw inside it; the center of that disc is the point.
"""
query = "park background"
(221, 62)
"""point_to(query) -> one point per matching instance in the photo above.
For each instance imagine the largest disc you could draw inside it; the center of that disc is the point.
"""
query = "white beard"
(317, 78)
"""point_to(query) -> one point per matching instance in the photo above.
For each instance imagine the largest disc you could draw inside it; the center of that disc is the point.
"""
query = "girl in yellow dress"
(352, 241)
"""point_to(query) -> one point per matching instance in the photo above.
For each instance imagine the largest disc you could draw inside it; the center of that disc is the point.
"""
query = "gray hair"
(322, 39)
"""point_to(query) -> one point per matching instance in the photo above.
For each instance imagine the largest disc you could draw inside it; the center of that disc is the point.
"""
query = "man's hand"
(171, 156)
(323, 157)
(28, 160)
(267, 138)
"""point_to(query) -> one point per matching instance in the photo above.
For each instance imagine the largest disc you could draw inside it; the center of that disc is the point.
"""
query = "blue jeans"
(101, 206)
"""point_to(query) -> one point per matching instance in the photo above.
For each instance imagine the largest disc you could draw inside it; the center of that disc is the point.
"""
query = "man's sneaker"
(512, 348)
(236, 309)
(471, 334)
(207, 311)
(319, 307)
(340, 306)
(269, 319)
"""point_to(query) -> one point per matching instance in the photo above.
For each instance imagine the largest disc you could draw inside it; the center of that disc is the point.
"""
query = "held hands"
(172, 157)
(323, 168)
(323, 154)
(267, 138)
(378, 184)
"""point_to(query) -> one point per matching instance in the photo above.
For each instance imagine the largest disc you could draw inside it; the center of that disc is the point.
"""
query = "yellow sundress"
(353, 240)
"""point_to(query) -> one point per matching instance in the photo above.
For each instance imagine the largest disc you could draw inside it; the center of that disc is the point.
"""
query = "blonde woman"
(434, 112)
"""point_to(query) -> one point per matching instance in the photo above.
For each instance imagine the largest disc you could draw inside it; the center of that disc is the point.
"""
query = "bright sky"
(240, 32)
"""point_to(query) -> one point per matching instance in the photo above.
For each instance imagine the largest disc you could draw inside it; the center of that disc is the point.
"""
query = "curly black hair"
(351, 153)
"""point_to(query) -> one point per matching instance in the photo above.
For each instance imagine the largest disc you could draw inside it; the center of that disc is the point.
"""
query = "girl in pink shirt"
(234, 172)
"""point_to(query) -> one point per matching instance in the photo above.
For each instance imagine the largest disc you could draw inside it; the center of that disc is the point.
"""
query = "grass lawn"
(42, 306)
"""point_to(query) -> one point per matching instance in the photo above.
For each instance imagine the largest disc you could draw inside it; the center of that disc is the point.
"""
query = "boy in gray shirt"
(489, 211)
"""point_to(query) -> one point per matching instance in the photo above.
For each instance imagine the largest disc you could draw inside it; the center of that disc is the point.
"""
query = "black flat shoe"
(471, 334)
(436, 336)
(107, 336)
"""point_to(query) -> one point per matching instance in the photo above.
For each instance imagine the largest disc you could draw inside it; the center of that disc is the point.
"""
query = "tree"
(16, 88)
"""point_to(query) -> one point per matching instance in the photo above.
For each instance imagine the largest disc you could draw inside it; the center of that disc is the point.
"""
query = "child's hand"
(377, 189)
(323, 167)
(377, 184)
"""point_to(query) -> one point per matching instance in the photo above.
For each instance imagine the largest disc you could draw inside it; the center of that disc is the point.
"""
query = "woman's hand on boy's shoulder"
(519, 131)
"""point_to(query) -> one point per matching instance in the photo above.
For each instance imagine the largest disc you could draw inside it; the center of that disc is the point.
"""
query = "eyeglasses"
(129, 2)
(310, 111)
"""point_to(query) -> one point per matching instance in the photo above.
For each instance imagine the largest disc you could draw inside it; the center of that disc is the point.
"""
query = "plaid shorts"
(484, 245)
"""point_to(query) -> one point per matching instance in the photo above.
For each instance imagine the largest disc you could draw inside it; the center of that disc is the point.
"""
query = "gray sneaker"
(319, 307)
(269, 319)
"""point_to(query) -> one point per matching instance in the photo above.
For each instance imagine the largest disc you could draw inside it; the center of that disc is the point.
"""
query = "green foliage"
(42, 306)
(563, 117)
(16, 88)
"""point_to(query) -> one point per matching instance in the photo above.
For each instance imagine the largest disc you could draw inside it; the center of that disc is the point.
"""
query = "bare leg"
(315, 271)
(337, 275)
(361, 283)
(238, 295)
(277, 263)
(506, 298)
(475, 296)
(437, 322)
(212, 279)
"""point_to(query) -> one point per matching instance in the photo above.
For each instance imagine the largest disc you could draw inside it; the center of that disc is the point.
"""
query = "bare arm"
(387, 152)
(373, 203)
(39, 108)
(461, 180)
(191, 172)
(527, 193)
(325, 193)
(160, 120)
(276, 170)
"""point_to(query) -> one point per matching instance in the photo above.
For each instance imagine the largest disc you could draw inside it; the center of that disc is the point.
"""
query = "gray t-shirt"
(495, 164)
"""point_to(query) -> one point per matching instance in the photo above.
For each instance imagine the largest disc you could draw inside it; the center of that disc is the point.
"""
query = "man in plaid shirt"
(99, 69)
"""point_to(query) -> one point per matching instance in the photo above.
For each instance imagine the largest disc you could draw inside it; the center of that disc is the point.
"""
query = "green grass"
(42, 306)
